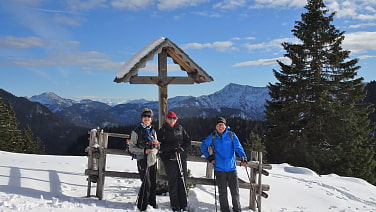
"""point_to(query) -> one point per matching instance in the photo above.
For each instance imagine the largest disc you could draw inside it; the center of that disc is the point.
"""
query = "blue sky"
(75, 48)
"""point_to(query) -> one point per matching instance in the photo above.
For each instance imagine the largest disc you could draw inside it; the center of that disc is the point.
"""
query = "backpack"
(213, 141)
(140, 143)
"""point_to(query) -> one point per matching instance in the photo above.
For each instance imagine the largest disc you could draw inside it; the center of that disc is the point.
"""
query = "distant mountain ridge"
(233, 100)
(56, 133)
(52, 101)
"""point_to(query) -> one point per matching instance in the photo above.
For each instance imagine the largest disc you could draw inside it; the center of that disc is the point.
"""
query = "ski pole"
(143, 187)
(178, 158)
(215, 192)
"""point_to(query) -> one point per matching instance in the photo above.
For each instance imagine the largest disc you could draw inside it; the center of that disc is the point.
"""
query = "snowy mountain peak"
(52, 101)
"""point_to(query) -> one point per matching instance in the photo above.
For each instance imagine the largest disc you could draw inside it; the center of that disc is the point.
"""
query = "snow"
(58, 183)
(128, 65)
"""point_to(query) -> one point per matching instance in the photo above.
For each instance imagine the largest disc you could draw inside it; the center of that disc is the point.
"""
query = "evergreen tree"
(31, 144)
(12, 139)
(316, 116)
(10, 135)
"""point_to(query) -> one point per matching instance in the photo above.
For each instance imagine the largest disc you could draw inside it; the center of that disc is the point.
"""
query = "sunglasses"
(172, 118)
(149, 116)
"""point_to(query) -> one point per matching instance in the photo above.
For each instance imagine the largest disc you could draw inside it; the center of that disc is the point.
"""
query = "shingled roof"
(129, 71)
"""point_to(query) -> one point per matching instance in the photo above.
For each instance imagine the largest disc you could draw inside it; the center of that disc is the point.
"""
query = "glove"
(244, 162)
(211, 158)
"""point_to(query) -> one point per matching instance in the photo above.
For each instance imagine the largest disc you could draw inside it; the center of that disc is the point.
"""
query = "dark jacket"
(140, 140)
(172, 139)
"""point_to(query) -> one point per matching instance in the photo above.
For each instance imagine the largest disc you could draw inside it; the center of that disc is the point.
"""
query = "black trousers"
(230, 179)
(148, 176)
(177, 193)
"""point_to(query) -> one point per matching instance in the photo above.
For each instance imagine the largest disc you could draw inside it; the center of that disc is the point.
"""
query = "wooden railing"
(97, 153)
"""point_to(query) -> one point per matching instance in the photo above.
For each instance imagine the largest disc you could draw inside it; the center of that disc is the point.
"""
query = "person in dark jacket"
(144, 147)
(225, 144)
(174, 141)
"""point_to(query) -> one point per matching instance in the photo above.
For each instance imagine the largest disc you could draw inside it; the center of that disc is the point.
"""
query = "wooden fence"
(96, 171)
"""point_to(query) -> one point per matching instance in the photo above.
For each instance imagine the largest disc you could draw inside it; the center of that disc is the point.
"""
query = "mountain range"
(233, 100)
(56, 133)
(61, 122)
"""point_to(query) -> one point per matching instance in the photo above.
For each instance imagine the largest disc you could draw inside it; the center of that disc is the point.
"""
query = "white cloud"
(355, 9)
(276, 43)
(356, 26)
(90, 58)
(360, 42)
(363, 57)
(174, 4)
(131, 4)
(231, 4)
(21, 43)
(279, 4)
(77, 5)
(67, 20)
(218, 45)
(28, 2)
(263, 62)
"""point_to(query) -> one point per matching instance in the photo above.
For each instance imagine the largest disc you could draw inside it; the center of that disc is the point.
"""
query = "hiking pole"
(215, 192)
(178, 158)
(143, 187)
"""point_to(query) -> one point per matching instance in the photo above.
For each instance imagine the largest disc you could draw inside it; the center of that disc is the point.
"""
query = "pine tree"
(14, 140)
(31, 144)
(10, 135)
(316, 116)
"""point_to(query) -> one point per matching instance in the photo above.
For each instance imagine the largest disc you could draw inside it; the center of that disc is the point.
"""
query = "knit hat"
(147, 111)
(221, 120)
(171, 114)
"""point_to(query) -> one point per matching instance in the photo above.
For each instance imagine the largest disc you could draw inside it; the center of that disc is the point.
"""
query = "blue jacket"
(224, 148)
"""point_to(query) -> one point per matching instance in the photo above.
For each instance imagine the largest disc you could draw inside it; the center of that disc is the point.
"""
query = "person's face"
(146, 119)
(171, 121)
(220, 127)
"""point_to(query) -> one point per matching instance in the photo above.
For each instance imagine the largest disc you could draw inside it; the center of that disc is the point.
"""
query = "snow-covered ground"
(57, 183)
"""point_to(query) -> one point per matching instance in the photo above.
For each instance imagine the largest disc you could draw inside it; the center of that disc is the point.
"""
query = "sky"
(44, 183)
(75, 48)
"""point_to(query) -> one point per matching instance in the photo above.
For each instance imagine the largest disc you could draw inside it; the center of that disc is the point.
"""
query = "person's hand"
(155, 143)
(147, 151)
(211, 159)
(244, 162)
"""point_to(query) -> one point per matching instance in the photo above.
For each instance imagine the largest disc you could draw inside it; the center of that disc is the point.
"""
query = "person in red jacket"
(174, 143)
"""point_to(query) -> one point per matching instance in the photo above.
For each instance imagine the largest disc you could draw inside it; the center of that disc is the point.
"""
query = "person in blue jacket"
(224, 144)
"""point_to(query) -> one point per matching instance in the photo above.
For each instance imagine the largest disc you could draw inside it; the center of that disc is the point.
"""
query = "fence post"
(93, 142)
(101, 165)
(209, 170)
(252, 193)
(259, 181)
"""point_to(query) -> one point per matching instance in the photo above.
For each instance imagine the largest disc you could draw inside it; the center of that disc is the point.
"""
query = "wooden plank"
(117, 152)
(252, 164)
(179, 60)
(192, 180)
(161, 80)
(118, 135)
